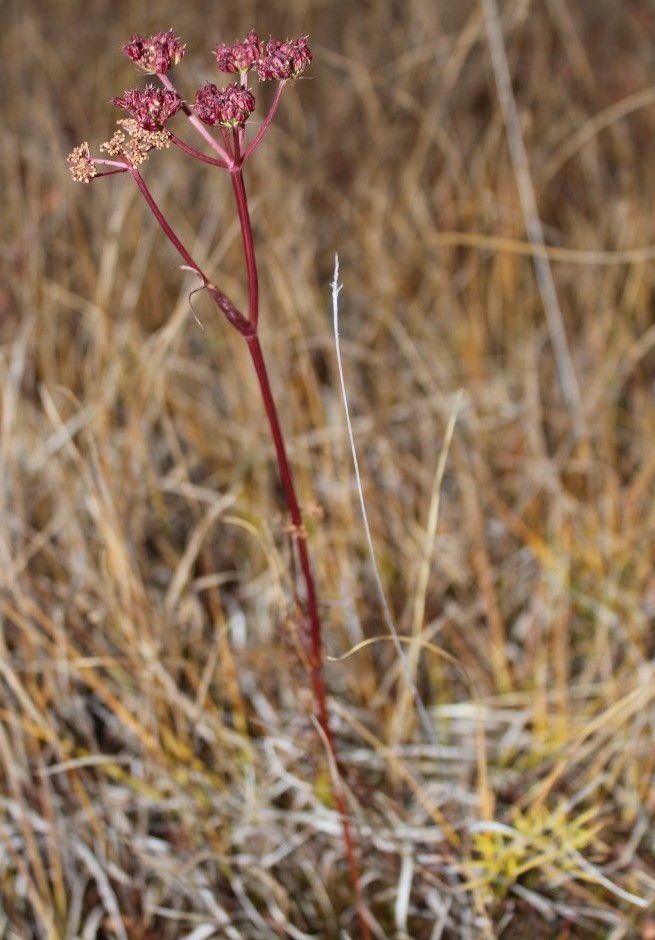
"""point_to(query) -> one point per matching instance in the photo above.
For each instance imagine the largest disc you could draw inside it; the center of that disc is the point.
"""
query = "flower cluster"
(229, 107)
(82, 166)
(130, 141)
(134, 142)
(241, 56)
(283, 60)
(276, 61)
(150, 107)
(156, 54)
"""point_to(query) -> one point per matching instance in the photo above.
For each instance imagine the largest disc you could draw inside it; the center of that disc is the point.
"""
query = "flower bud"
(229, 107)
(156, 54)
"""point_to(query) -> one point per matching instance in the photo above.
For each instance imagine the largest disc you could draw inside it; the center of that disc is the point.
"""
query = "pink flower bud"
(156, 54)
(241, 56)
(150, 107)
(229, 107)
(283, 60)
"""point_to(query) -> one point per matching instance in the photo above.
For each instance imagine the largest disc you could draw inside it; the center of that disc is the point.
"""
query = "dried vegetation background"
(160, 776)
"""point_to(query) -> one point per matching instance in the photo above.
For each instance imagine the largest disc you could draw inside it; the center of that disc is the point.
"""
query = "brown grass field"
(161, 775)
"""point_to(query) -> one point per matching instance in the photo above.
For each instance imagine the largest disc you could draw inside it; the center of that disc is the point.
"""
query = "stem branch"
(168, 231)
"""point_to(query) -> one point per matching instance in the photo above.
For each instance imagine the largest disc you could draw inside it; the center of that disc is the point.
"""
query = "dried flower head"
(134, 142)
(241, 56)
(283, 60)
(150, 107)
(156, 54)
(81, 165)
(229, 107)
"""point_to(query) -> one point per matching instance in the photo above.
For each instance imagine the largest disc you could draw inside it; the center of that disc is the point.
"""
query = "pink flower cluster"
(156, 54)
(229, 107)
(150, 107)
(283, 60)
(241, 56)
(276, 60)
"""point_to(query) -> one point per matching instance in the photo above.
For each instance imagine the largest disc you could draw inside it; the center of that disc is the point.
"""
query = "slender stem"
(109, 172)
(120, 165)
(267, 120)
(237, 146)
(248, 245)
(312, 644)
(310, 623)
(198, 154)
(168, 231)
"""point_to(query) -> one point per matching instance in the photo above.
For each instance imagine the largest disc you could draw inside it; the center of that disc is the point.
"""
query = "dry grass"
(160, 776)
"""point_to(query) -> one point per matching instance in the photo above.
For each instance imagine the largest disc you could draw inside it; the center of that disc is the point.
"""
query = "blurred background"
(159, 771)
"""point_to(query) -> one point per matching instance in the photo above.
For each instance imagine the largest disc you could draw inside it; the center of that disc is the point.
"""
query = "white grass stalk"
(424, 719)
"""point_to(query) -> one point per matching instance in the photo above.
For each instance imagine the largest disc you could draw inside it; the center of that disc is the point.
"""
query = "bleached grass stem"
(424, 719)
(534, 229)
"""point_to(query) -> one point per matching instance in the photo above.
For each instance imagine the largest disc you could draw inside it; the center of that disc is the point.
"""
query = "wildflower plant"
(220, 115)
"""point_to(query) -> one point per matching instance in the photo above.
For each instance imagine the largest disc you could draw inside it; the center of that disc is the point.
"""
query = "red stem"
(248, 245)
(310, 623)
(267, 120)
(198, 154)
(168, 231)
